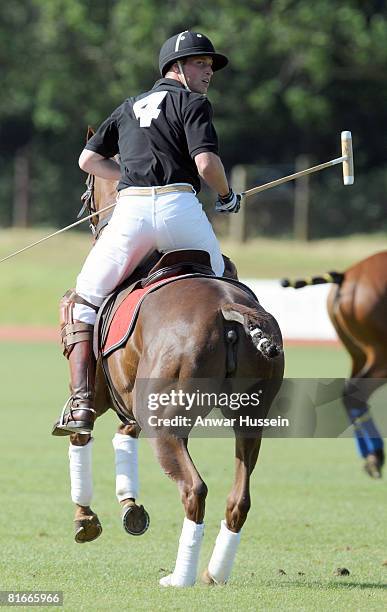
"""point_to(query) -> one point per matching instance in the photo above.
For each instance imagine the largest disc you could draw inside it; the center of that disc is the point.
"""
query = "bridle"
(88, 204)
(87, 198)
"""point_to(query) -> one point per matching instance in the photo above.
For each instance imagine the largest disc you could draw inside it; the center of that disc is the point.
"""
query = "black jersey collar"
(170, 82)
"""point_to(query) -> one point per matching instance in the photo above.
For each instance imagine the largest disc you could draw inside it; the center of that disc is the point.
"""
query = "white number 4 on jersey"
(147, 109)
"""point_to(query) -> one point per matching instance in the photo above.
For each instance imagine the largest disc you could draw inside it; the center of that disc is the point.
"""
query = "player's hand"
(229, 203)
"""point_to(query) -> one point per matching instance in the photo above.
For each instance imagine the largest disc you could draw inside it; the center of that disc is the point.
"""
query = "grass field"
(32, 283)
(313, 511)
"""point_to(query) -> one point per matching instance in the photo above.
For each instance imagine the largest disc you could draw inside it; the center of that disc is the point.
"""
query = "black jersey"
(157, 135)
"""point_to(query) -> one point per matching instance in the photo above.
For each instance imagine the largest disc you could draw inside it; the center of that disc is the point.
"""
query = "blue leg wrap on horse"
(366, 433)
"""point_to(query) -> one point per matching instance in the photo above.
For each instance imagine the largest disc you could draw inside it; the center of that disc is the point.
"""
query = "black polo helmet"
(187, 44)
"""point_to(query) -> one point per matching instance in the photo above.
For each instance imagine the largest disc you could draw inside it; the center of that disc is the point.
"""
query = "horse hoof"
(166, 581)
(373, 466)
(87, 529)
(207, 578)
(169, 581)
(135, 519)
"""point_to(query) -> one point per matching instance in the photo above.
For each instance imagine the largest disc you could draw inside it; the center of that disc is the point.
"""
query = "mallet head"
(346, 151)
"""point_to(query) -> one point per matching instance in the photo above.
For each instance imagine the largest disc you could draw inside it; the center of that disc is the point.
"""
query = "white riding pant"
(139, 225)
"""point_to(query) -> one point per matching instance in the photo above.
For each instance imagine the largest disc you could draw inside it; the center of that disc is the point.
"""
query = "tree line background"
(300, 72)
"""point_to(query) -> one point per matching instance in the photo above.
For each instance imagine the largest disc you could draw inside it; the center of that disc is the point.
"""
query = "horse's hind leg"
(368, 438)
(238, 505)
(357, 354)
(86, 522)
(356, 391)
(135, 519)
(176, 462)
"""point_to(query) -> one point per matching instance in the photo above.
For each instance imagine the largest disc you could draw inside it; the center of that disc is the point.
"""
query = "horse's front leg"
(135, 519)
(174, 458)
(87, 525)
(122, 366)
(86, 522)
(238, 505)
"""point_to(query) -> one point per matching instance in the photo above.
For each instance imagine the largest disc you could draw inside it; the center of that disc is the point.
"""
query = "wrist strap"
(226, 197)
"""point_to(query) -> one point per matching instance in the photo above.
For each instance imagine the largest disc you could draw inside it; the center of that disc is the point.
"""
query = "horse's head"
(99, 193)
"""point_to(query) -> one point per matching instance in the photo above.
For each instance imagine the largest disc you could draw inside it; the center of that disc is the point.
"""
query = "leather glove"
(229, 203)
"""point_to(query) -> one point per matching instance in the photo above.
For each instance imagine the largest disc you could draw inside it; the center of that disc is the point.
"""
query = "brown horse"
(189, 331)
(357, 307)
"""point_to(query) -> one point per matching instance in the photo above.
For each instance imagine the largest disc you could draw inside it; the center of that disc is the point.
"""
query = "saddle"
(157, 270)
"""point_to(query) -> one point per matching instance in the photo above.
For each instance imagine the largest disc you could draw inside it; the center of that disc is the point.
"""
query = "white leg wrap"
(223, 555)
(81, 479)
(126, 450)
(186, 567)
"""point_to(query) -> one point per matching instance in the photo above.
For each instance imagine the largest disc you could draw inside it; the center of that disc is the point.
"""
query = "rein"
(88, 204)
(87, 198)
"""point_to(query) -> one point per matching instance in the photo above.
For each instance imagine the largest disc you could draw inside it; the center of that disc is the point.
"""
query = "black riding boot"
(78, 415)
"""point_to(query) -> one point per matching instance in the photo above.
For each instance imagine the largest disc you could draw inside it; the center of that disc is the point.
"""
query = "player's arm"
(97, 156)
(211, 170)
(94, 163)
(203, 147)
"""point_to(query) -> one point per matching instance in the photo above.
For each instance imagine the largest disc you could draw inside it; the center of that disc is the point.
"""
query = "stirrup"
(62, 427)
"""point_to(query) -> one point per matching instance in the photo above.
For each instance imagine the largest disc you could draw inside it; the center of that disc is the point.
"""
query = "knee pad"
(73, 331)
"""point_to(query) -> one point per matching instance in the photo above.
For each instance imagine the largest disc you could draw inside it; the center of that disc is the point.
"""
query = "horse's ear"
(90, 133)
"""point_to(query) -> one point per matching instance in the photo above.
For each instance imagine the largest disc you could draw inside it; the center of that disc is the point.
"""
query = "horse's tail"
(251, 321)
(330, 277)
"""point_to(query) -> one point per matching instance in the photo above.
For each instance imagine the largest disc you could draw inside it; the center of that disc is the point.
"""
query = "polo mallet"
(348, 175)
(346, 159)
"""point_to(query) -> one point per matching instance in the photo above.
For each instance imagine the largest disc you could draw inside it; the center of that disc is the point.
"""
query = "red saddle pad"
(125, 316)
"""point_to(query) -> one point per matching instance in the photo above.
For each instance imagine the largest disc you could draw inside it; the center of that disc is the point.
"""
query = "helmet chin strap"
(181, 71)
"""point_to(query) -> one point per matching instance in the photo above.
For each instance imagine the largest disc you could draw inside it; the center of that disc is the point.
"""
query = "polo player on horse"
(166, 140)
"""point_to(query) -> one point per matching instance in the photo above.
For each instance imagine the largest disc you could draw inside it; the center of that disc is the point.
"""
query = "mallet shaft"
(64, 229)
(291, 177)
